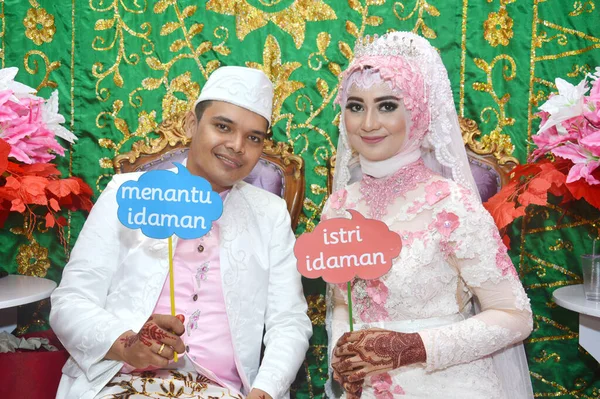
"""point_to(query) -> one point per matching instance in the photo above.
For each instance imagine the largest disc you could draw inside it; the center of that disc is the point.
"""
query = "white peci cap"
(245, 87)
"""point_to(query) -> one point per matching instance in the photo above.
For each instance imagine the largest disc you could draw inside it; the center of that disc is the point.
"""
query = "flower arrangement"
(29, 183)
(566, 162)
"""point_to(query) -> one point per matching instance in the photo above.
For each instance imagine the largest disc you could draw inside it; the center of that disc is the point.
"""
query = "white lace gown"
(451, 252)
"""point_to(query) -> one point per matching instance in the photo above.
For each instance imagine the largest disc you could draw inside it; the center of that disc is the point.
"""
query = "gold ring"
(161, 349)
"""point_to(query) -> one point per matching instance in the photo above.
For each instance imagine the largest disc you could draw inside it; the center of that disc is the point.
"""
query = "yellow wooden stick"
(172, 284)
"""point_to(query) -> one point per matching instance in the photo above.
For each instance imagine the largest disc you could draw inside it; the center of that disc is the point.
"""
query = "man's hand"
(155, 344)
(361, 354)
(258, 394)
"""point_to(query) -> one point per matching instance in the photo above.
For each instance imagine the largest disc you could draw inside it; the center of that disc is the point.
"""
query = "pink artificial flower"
(446, 223)
(372, 305)
(591, 142)
(592, 105)
(377, 291)
(550, 138)
(30, 139)
(436, 191)
(568, 103)
(338, 199)
(381, 382)
(383, 386)
(584, 163)
(9, 110)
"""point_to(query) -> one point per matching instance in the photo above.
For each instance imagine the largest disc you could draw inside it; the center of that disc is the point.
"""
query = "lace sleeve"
(472, 245)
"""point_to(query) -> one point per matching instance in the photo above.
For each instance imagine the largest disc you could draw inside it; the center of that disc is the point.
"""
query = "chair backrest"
(490, 159)
(278, 170)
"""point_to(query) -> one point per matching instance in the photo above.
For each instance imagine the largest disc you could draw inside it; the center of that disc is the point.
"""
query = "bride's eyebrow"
(355, 99)
(385, 98)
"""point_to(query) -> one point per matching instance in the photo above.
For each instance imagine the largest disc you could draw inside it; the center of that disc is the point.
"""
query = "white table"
(16, 290)
(573, 298)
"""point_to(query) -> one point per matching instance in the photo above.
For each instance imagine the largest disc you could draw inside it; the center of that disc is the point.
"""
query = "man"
(111, 310)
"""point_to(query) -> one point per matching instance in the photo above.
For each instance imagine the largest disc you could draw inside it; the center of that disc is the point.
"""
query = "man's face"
(227, 143)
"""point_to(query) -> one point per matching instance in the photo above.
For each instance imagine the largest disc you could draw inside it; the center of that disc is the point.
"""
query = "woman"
(401, 159)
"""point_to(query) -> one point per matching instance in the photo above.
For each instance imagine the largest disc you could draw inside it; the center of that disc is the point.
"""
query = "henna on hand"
(150, 332)
(369, 352)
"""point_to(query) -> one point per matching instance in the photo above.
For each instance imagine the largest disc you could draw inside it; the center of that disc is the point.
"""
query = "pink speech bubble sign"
(340, 249)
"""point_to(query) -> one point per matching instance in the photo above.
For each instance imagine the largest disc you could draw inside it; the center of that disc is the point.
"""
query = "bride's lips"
(373, 139)
(230, 162)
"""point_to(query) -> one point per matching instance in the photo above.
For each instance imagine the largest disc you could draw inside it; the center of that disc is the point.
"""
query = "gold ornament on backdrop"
(291, 19)
(498, 28)
(580, 7)
(509, 72)
(278, 73)
(120, 29)
(49, 68)
(32, 259)
(316, 309)
(39, 26)
(421, 7)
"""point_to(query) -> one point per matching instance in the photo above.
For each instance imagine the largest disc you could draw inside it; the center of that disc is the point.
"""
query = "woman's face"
(375, 121)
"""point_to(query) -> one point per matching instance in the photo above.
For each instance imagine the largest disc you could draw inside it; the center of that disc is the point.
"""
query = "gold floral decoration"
(291, 19)
(316, 309)
(278, 73)
(498, 28)
(39, 26)
(32, 259)
(173, 106)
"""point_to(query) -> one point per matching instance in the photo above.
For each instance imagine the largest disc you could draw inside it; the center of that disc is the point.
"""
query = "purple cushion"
(265, 174)
(487, 179)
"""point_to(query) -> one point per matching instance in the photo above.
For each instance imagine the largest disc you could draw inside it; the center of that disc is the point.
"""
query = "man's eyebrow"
(260, 133)
(223, 119)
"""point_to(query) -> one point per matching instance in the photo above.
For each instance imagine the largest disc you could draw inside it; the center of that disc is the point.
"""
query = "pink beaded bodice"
(380, 193)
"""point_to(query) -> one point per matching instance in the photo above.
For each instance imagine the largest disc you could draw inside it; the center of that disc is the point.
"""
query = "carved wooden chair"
(490, 161)
(278, 170)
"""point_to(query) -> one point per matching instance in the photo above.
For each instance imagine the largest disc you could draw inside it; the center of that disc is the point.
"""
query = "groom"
(111, 310)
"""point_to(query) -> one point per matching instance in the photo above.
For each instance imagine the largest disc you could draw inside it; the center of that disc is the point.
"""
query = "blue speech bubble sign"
(162, 203)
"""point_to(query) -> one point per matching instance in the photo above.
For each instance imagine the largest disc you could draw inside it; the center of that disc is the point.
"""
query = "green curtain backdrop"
(123, 66)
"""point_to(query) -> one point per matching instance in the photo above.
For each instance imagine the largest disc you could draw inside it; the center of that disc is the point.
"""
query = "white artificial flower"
(565, 105)
(53, 119)
(7, 82)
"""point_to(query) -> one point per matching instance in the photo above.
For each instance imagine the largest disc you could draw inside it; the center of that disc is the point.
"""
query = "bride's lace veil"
(442, 150)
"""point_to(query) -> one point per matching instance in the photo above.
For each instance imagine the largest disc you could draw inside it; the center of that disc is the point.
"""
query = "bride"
(448, 319)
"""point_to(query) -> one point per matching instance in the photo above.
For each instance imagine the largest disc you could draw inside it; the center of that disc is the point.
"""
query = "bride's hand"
(364, 353)
(354, 389)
